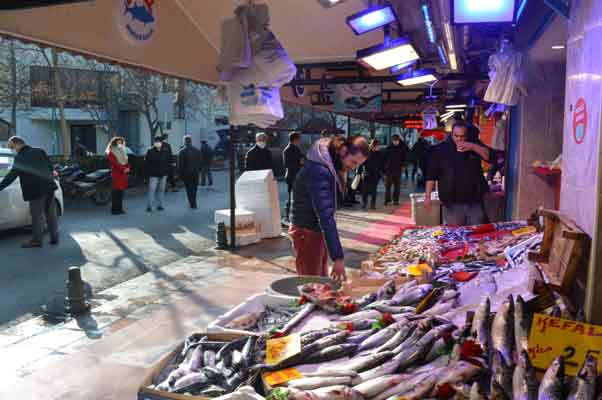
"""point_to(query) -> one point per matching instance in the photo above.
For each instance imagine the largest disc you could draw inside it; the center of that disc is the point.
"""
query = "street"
(110, 249)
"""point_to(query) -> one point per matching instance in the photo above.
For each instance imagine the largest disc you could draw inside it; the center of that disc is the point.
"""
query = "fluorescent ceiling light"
(385, 56)
(448, 114)
(398, 68)
(453, 61)
(453, 106)
(483, 11)
(430, 30)
(558, 47)
(451, 48)
(417, 77)
(371, 19)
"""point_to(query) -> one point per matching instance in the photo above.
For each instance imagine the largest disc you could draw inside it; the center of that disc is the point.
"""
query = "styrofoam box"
(245, 239)
(420, 216)
(243, 217)
(256, 191)
(254, 304)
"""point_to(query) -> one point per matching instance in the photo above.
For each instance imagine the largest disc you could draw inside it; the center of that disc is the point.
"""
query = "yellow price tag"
(282, 348)
(419, 269)
(438, 233)
(524, 231)
(551, 337)
(279, 377)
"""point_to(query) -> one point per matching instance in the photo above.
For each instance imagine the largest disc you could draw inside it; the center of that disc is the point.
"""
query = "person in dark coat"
(36, 175)
(206, 162)
(259, 158)
(120, 168)
(394, 163)
(313, 228)
(415, 156)
(293, 159)
(158, 162)
(189, 163)
(372, 170)
(171, 176)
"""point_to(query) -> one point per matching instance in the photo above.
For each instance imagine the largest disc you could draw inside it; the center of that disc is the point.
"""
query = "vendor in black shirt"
(456, 165)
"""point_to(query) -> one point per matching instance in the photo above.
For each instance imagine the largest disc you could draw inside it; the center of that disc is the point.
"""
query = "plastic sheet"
(505, 74)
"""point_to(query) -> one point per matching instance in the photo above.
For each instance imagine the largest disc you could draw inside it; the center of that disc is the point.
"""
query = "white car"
(14, 211)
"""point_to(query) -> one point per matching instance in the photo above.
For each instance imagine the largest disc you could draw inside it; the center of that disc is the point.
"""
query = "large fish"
(459, 372)
(502, 330)
(328, 393)
(319, 382)
(438, 309)
(381, 336)
(300, 316)
(502, 373)
(481, 326)
(412, 296)
(386, 291)
(584, 387)
(552, 384)
(360, 336)
(357, 325)
(378, 385)
(312, 336)
(367, 314)
(403, 386)
(418, 351)
(521, 325)
(330, 353)
(387, 368)
(364, 363)
(191, 379)
(366, 300)
(524, 381)
(419, 391)
(385, 307)
(397, 339)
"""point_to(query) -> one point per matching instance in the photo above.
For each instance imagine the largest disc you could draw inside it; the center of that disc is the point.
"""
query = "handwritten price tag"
(524, 231)
(551, 337)
(282, 348)
(279, 377)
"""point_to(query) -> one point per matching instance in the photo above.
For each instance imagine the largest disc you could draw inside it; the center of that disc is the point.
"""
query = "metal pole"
(348, 126)
(232, 188)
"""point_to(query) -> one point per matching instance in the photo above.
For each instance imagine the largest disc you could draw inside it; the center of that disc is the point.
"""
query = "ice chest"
(422, 217)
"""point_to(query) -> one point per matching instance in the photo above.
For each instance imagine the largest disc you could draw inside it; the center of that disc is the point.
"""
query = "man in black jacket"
(34, 170)
(259, 158)
(158, 163)
(189, 162)
(293, 161)
(206, 161)
(171, 176)
(394, 162)
(456, 165)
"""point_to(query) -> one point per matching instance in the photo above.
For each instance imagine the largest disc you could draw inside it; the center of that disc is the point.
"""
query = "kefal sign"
(580, 121)
(137, 19)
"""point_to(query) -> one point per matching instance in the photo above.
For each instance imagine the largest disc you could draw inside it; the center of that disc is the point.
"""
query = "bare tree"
(142, 91)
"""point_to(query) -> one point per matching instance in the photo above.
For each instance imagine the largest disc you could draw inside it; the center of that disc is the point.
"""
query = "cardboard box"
(144, 393)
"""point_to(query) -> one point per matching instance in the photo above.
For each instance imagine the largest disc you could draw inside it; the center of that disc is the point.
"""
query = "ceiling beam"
(378, 79)
(23, 4)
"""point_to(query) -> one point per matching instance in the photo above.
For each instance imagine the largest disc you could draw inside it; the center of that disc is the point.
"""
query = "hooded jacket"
(314, 197)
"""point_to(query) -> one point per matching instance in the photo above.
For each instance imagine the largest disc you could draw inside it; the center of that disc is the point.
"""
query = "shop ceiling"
(186, 39)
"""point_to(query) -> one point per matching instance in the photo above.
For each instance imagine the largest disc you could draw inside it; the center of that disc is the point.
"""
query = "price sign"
(279, 377)
(282, 348)
(552, 337)
(527, 230)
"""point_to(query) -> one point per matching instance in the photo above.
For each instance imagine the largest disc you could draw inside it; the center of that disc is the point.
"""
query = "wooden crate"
(564, 256)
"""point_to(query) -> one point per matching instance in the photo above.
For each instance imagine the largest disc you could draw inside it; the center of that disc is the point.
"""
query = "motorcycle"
(77, 184)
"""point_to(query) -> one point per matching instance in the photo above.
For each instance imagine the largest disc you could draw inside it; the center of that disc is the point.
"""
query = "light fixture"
(521, 8)
(430, 30)
(447, 114)
(442, 55)
(451, 48)
(456, 106)
(387, 55)
(417, 77)
(371, 19)
(483, 11)
(330, 3)
(558, 47)
(398, 68)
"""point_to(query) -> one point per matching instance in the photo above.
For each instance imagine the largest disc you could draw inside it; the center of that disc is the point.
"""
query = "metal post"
(348, 126)
(232, 188)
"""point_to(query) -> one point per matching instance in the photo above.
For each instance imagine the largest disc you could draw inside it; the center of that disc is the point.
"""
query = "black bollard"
(221, 241)
(76, 297)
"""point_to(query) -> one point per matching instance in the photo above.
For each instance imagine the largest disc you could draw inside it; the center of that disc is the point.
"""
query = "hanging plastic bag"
(260, 106)
(274, 61)
(506, 75)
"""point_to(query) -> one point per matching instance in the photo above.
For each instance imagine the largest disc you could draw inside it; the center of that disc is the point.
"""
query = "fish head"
(509, 304)
(497, 391)
(589, 369)
(557, 368)
(523, 360)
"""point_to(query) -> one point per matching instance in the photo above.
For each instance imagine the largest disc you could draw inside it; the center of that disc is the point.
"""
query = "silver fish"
(330, 353)
(387, 308)
(319, 382)
(459, 372)
(502, 373)
(188, 380)
(360, 336)
(584, 387)
(481, 326)
(397, 339)
(436, 351)
(521, 325)
(331, 373)
(420, 391)
(386, 291)
(378, 385)
(413, 296)
(498, 392)
(367, 314)
(551, 387)
(403, 386)
(381, 336)
(364, 363)
(209, 358)
(438, 309)
(418, 333)
(300, 316)
(385, 369)
(329, 393)
(448, 295)
(524, 381)
(418, 351)
(502, 330)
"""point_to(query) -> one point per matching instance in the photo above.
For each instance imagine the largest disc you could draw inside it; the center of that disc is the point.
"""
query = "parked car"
(14, 211)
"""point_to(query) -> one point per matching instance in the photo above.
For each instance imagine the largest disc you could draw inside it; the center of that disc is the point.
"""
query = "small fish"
(552, 384)
(191, 379)
(481, 327)
(244, 322)
(502, 330)
(502, 373)
(319, 382)
(360, 315)
(300, 316)
(214, 391)
(584, 387)
(330, 353)
(209, 358)
(248, 351)
(524, 381)
(386, 291)
(521, 325)
(237, 360)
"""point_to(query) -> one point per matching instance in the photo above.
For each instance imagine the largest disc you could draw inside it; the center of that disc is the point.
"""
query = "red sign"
(580, 121)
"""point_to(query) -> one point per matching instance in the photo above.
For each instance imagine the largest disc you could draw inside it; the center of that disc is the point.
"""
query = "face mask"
(395, 143)
(121, 146)
(261, 145)
(158, 145)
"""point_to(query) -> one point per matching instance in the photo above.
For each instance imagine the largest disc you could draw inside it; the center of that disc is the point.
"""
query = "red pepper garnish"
(349, 326)
(445, 391)
(276, 335)
(302, 300)
(388, 318)
(470, 349)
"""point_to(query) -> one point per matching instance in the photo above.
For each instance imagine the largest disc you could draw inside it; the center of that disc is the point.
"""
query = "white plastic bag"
(505, 73)
(260, 106)
(235, 47)
(275, 63)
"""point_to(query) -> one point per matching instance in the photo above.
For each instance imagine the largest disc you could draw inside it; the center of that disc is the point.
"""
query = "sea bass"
(330, 353)
(420, 391)
(521, 325)
(412, 296)
(551, 387)
(367, 314)
(387, 368)
(584, 387)
(397, 339)
(403, 386)
(378, 385)
(319, 382)
(386, 291)
(502, 373)
(502, 330)
(524, 381)
(381, 336)
(329, 393)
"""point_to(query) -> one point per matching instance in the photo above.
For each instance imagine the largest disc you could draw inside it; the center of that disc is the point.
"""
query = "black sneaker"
(160, 208)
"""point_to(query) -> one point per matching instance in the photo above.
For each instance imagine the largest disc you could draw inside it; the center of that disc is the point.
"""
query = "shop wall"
(582, 113)
(540, 123)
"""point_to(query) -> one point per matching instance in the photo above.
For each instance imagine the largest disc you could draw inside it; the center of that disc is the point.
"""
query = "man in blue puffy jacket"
(320, 181)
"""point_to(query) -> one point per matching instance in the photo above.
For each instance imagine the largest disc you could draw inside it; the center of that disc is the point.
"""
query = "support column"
(232, 151)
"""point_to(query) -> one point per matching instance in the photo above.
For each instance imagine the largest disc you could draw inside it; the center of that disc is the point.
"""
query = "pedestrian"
(313, 229)
(189, 162)
(415, 155)
(372, 170)
(120, 168)
(206, 162)
(171, 176)
(394, 162)
(259, 158)
(158, 163)
(37, 178)
(456, 165)
(293, 159)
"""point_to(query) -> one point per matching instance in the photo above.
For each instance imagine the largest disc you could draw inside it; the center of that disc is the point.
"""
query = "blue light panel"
(483, 11)
(371, 19)
(429, 23)
(398, 68)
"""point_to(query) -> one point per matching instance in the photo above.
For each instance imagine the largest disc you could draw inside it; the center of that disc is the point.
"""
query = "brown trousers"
(310, 251)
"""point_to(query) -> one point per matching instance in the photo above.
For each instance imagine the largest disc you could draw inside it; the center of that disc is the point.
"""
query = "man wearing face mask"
(394, 162)
(259, 158)
(158, 164)
(35, 172)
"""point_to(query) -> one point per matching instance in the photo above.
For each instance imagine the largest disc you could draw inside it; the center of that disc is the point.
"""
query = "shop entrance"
(84, 135)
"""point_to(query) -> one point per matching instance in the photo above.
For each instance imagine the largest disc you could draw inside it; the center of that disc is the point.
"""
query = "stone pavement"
(132, 325)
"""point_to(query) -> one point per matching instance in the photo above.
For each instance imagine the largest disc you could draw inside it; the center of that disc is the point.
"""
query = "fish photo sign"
(552, 337)
(137, 19)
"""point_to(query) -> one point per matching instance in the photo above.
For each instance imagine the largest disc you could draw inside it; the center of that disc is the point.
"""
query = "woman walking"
(372, 170)
(117, 155)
